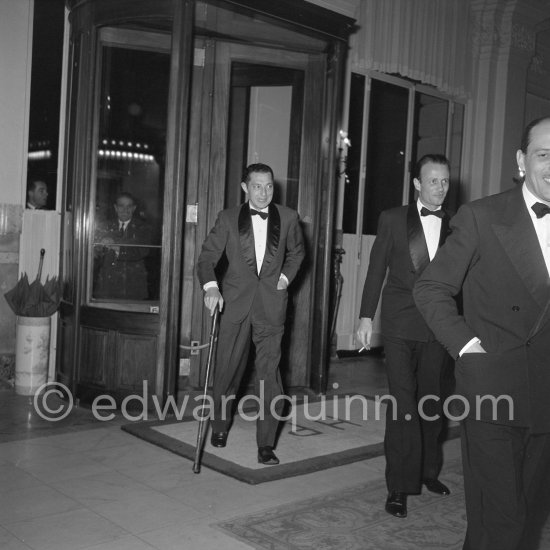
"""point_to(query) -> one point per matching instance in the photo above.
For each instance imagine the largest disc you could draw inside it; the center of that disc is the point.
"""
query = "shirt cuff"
(474, 340)
(210, 284)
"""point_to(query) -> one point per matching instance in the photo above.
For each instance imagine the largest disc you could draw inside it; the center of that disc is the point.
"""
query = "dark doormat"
(355, 519)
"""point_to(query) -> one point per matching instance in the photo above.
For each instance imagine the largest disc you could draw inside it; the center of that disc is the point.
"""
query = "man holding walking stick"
(264, 247)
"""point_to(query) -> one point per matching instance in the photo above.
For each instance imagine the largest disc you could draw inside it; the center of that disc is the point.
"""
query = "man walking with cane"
(264, 247)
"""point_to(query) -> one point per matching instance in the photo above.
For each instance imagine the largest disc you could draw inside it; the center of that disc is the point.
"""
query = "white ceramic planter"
(31, 354)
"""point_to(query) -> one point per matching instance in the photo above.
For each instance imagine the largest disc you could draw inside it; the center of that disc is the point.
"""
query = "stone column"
(503, 48)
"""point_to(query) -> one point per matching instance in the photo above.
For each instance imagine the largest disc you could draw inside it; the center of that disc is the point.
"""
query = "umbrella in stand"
(35, 299)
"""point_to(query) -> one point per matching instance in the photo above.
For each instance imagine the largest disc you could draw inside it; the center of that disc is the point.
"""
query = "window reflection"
(130, 175)
(120, 267)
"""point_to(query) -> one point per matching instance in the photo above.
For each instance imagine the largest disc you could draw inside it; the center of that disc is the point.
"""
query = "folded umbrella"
(35, 299)
(17, 297)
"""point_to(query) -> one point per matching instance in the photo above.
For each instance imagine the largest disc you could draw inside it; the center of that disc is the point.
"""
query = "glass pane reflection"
(130, 175)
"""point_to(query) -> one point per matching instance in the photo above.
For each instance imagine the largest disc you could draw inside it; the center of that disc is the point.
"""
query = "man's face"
(433, 184)
(259, 189)
(39, 195)
(535, 162)
(124, 207)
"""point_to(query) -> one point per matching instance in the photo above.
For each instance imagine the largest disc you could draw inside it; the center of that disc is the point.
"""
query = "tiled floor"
(81, 484)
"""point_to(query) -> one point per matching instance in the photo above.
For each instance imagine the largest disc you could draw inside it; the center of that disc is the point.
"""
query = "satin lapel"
(519, 240)
(417, 242)
(542, 320)
(246, 237)
(273, 235)
(445, 229)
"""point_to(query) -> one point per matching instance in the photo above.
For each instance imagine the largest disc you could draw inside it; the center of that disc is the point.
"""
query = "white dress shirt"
(432, 229)
(259, 226)
(542, 225)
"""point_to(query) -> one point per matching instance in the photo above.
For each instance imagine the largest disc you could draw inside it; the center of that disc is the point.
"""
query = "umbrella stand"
(32, 354)
(34, 304)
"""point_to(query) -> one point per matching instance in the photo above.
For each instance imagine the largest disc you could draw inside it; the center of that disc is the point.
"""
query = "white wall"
(15, 54)
(15, 66)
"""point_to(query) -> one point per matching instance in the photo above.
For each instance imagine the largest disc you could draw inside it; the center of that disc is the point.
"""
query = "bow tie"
(426, 212)
(540, 209)
(262, 215)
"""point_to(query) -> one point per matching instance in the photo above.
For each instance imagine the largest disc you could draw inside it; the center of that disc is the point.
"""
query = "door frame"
(316, 196)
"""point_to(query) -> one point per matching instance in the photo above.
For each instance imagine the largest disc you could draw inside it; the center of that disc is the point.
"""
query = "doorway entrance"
(201, 89)
(265, 125)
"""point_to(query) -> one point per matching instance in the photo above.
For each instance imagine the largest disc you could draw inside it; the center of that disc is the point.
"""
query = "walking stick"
(203, 422)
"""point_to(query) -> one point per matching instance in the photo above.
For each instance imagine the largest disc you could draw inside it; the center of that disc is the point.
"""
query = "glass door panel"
(266, 106)
(353, 159)
(455, 155)
(386, 151)
(129, 176)
(430, 129)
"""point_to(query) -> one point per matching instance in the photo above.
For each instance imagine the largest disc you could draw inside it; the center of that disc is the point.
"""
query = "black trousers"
(411, 442)
(231, 362)
(507, 485)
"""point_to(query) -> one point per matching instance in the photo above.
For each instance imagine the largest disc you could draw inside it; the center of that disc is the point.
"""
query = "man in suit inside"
(121, 273)
(499, 256)
(37, 194)
(264, 248)
(407, 239)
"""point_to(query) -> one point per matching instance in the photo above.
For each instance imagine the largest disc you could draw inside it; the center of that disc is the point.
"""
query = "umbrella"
(35, 299)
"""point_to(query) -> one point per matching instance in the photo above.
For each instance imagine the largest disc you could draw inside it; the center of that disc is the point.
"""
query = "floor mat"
(317, 435)
(354, 519)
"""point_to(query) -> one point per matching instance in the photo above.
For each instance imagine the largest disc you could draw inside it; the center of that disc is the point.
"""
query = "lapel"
(130, 231)
(273, 235)
(445, 229)
(246, 237)
(518, 238)
(418, 248)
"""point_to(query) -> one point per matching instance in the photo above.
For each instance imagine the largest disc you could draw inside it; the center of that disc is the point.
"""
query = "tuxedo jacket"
(400, 250)
(494, 255)
(242, 286)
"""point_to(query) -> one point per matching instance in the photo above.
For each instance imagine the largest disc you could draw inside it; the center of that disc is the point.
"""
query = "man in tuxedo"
(264, 248)
(498, 255)
(120, 268)
(37, 195)
(407, 239)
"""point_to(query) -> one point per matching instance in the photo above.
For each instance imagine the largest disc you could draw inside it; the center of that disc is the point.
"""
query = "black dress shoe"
(435, 486)
(267, 456)
(218, 439)
(396, 504)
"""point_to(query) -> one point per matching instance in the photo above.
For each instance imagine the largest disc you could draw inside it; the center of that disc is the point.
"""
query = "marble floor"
(82, 484)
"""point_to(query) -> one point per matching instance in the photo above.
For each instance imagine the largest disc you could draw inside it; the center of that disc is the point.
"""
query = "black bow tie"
(262, 215)
(540, 209)
(425, 212)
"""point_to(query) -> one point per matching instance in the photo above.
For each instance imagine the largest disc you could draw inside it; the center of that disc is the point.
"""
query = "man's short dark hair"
(258, 167)
(126, 195)
(434, 159)
(33, 182)
(526, 136)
